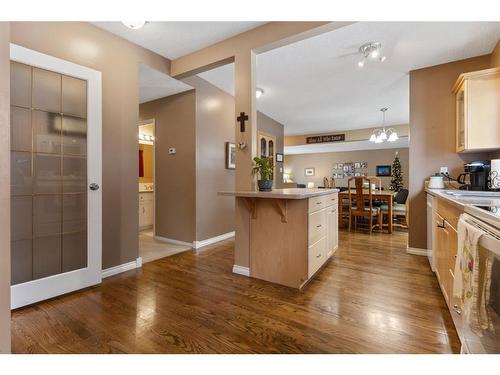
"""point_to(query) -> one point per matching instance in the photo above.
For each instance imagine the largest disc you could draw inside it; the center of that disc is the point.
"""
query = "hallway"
(152, 249)
(371, 297)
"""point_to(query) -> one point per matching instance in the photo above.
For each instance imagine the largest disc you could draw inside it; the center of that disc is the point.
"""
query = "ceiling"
(176, 39)
(154, 84)
(316, 86)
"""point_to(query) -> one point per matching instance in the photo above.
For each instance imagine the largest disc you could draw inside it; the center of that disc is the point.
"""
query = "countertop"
(468, 203)
(291, 193)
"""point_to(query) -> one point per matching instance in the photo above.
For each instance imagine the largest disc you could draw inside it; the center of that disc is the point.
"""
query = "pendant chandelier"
(381, 135)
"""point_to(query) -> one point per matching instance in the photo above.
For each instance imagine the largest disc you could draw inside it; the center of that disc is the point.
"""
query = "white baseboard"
(416, 251)
(210, 241)
(240, 270)
(175, 242)
(122, 268)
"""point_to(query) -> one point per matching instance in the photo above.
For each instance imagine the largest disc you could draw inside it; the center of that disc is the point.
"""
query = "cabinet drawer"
(145, 197)
(317, 203)
(317, 226)
(317, 256)
(331, 199)
(448, 212)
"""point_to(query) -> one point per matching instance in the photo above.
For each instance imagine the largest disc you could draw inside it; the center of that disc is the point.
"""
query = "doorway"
(55, 176)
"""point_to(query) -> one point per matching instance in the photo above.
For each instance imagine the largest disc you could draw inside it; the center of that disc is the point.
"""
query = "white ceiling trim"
(318, 148)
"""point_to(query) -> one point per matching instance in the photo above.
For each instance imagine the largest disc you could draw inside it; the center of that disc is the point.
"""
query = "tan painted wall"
(175, 175)
(214, 127)
(350, 135)
(118, 60)
(148, 162)
(495, 56)
(273, 127)
(4, 189)
(432, 128)
(324, 163)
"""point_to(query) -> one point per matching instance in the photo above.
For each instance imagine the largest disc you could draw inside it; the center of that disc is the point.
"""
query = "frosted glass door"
(48, 173)
(56, 214)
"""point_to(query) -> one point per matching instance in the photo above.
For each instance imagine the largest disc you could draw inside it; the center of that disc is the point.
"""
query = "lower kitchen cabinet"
(146, 212)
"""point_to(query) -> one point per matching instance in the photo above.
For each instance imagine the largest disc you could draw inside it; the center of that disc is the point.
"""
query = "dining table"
(376, 195)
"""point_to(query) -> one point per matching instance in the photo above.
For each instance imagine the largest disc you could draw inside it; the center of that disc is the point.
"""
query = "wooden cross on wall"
(241, 119)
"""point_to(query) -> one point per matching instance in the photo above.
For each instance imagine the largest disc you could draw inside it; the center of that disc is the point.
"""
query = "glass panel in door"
(48, 173)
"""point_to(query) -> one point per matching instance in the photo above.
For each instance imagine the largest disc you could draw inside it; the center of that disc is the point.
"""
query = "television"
(383, 170)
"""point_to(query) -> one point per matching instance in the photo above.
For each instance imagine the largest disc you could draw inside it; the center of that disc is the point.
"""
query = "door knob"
(94, 186)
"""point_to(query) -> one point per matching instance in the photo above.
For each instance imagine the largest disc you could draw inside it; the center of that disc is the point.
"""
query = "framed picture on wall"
(309, 172)
(230, 155)
(279, 157)
(383, 170)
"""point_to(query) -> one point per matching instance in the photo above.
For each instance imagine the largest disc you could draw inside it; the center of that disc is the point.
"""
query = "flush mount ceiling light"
(381, 135)
(259, 92)
(371, 50)
(134, 25)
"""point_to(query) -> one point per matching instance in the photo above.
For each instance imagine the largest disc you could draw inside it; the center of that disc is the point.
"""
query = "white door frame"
(48, 287)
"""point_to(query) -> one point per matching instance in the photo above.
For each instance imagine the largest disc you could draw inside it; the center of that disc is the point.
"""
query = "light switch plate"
(171, 151)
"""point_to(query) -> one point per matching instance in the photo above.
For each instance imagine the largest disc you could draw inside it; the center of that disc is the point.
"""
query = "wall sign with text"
(326, 138)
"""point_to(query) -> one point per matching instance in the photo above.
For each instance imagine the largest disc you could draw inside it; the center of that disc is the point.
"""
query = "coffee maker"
(478, 172)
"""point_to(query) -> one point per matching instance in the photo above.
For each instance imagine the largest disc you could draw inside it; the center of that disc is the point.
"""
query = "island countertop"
(291, 193)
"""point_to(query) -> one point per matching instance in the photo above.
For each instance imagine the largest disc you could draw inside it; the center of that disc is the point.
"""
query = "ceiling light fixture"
(259, 92)
(381, 135)
(370, 50)
(134, 25)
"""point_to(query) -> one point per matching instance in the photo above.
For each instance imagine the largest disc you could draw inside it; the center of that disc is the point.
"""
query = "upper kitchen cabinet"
(477, 96)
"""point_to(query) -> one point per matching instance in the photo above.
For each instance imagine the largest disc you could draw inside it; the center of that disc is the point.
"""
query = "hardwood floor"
(371, 297)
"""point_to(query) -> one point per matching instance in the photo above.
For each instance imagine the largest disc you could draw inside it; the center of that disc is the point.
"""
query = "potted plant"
(264, 167)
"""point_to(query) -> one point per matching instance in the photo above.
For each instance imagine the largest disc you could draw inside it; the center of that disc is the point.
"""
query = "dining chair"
(357, 205)
(399, 207)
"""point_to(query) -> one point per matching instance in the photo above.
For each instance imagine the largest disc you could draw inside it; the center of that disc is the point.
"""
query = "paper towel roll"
(495, 174)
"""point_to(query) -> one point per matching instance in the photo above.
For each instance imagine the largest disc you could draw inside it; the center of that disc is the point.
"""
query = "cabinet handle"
(441, 225)
(457, 310)
(318, 202)
(318, 226)
(317, 256)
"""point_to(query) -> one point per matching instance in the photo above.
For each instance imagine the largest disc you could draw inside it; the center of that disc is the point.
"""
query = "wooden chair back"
(357, 200)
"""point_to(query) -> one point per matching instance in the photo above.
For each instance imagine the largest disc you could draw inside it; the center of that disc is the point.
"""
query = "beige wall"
(324, 164)
(214, 127)
(118, 60)
(432, 128)
(350, 135)
(495, 56)
(4, 189)
(175, 175)
(273, 127)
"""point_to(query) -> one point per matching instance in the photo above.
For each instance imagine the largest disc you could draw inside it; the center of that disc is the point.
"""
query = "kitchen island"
(286, 234)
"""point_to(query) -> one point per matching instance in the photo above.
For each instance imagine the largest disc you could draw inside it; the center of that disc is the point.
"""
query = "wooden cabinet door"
(142, 215)
(452, 241)
(332, 230)
(440, 253)
(148, 213)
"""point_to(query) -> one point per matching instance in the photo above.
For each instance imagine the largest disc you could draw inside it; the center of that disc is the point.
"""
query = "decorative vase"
(265, 185)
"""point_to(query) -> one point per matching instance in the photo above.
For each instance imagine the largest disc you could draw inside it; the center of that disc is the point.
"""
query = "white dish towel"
(473, 277)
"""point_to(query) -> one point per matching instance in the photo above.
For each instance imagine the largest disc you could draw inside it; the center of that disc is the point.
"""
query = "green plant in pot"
(264, 167)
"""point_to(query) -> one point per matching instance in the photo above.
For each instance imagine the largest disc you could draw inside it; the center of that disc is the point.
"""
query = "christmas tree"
(396, 175)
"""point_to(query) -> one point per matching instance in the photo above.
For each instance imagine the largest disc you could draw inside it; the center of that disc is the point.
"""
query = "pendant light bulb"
(361, 63)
